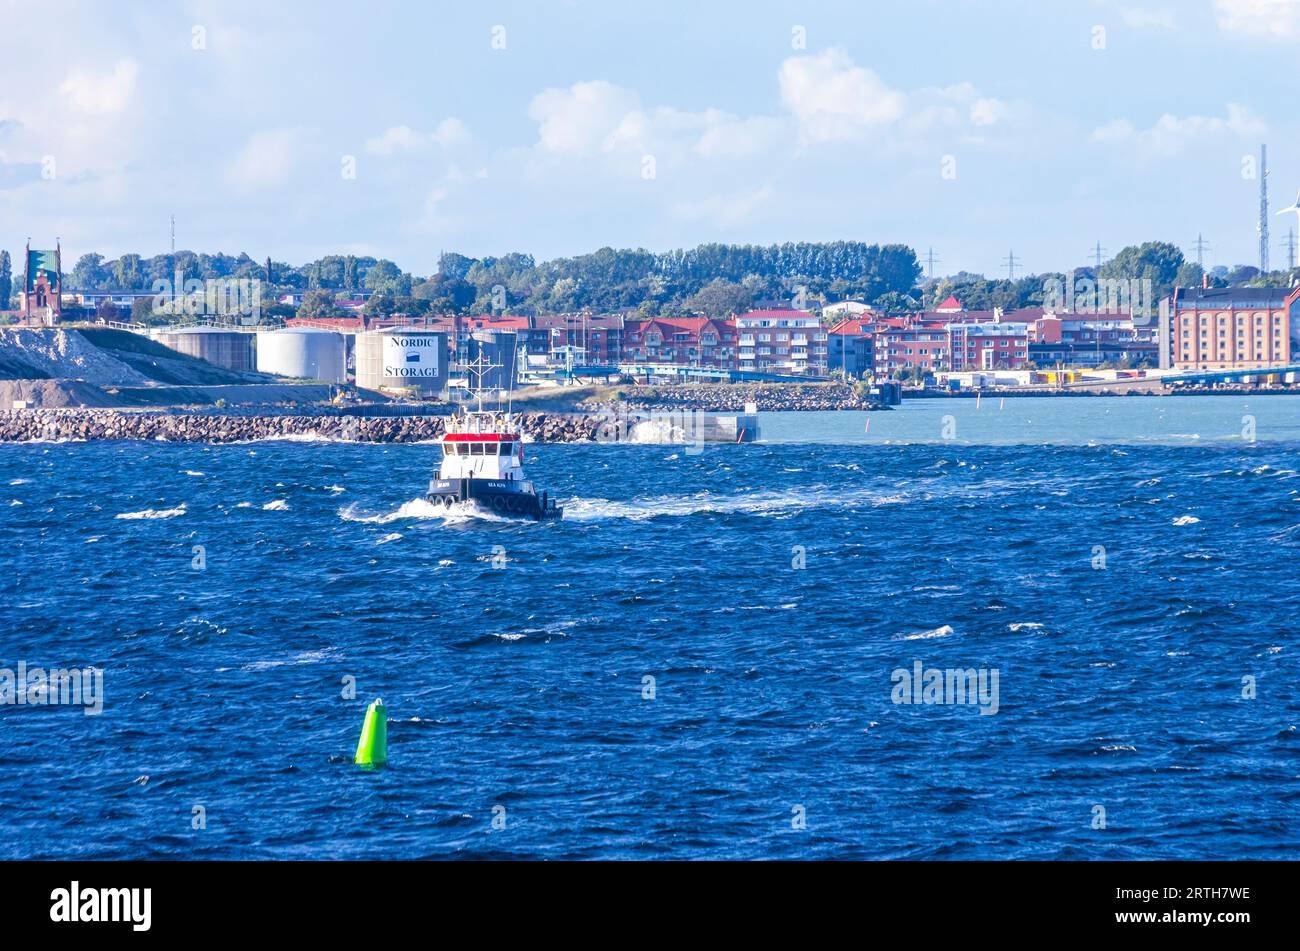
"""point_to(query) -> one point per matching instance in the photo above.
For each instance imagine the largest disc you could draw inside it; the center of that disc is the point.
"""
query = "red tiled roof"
(855, 326)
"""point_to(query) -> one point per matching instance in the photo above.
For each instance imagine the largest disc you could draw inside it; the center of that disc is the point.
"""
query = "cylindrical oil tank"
(304, 353)
(498, 351)
(402, 358)
(232, 349)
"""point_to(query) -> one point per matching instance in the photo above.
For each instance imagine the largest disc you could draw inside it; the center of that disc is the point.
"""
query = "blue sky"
(560, 127)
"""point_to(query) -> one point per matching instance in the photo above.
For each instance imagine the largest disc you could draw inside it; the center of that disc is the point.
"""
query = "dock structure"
(1224, 376)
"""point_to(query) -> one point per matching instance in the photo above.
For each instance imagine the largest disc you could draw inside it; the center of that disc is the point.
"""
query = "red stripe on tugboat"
(479, 437)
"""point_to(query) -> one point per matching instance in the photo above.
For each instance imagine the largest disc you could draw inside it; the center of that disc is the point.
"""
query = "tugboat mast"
(479, 366)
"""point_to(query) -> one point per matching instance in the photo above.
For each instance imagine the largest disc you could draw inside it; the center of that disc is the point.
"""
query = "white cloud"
(988, 111)
(592, 118)
(102, 92)
(828, 97)
(1274, 18)
(449, 132)
(265, 160)
(834, 99)
(579, 119)
(732, 137)
(725, 210)
(1140, 18)
(1171, 134)
(959, 113)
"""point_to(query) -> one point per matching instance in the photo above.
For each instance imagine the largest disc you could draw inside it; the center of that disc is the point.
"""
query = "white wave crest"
(942, 631)
(154, 513)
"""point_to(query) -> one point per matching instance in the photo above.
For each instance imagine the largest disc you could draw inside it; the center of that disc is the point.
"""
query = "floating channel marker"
(372, 748)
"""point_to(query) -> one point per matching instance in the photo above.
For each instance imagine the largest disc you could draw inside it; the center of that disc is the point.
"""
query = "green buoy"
(372, 748)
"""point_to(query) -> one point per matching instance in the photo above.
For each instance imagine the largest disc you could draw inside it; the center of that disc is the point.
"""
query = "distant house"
(844, 309)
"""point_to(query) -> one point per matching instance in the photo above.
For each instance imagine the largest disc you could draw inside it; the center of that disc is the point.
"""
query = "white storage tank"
(403, 359)
(305, 353)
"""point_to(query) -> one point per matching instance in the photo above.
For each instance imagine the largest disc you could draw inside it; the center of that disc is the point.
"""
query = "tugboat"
(483, 462)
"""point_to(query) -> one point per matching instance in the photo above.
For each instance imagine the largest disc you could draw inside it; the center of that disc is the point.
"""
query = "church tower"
(43, 286)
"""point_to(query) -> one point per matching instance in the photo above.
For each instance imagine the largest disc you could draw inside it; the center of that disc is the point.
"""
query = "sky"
(404, 129)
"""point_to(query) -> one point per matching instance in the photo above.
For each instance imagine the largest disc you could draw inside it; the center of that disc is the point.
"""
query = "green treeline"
(713, 280)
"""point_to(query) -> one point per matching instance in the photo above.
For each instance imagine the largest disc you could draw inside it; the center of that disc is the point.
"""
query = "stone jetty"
(64, 424)
(732, 398)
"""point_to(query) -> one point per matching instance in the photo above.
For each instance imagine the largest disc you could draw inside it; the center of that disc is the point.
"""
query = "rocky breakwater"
(732, 398)
(76, 425)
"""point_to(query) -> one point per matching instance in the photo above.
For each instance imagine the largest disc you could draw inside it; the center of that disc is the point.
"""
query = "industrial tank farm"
(304, 353)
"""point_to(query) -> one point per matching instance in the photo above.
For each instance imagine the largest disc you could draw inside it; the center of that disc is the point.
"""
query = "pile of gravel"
(54, 353)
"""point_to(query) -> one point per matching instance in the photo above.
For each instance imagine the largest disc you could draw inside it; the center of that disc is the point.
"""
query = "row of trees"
(713, 279)
(1163, 264)
(6, 280)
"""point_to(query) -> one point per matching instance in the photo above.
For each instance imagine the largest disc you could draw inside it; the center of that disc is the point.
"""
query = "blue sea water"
(1126, 565)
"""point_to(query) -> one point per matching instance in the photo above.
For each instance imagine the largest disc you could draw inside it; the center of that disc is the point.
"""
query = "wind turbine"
(1295, 207)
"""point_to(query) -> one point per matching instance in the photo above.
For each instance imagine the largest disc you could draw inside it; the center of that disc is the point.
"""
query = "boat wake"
(751, 503)
(422, 509)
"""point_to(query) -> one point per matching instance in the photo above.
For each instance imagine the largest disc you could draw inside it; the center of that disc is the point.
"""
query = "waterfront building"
(851, 348)
(1229, 328)
(687, 341)
(595, 339)
(793, 341)
(1087, 340)
(999, 345)
(907, 343)
(1060, 355)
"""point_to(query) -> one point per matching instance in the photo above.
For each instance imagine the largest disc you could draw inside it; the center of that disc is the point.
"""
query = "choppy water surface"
(1121, 590)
